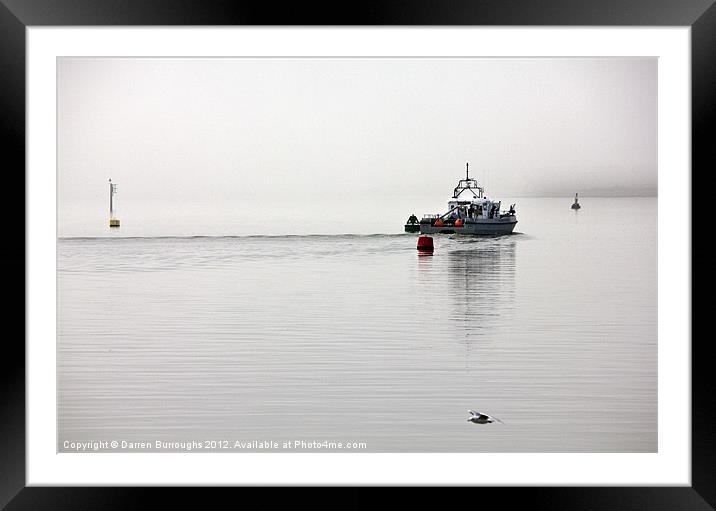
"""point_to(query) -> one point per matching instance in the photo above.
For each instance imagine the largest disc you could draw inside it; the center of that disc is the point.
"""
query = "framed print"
(243, 267)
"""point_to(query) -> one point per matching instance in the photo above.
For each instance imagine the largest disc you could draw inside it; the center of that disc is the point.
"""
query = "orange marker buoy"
(425, 244)
(439, 223)
(458, 222)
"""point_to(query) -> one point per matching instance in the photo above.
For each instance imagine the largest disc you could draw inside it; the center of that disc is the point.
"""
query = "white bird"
(481, 418)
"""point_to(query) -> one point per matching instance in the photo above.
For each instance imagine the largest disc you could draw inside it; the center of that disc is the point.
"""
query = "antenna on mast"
(467, 170)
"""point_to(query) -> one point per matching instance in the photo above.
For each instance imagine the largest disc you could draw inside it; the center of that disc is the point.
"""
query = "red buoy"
(458, 222)
(439, 223)
(425, 244)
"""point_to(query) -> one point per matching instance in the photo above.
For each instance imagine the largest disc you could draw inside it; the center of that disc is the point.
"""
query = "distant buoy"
(425, 244)
(438, 223)
(458, 222)
(413, 224)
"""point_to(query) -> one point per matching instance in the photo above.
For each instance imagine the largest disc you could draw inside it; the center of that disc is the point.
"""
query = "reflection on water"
(483, 278)
(357, 338)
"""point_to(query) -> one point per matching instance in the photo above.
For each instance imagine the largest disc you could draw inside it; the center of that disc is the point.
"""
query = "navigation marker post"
(113, 222)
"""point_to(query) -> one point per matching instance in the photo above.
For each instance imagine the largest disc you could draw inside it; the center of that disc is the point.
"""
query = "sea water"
(341, 341)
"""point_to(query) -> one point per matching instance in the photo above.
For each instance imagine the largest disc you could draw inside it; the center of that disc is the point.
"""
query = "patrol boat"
(470, 211)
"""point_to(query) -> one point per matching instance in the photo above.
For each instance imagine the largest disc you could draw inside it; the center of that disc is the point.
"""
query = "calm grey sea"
(357, 338)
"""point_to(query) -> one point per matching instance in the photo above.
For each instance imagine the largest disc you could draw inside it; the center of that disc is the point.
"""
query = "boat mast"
(468, 184)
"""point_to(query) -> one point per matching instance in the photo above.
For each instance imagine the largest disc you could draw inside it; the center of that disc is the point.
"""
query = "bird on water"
(481, 418)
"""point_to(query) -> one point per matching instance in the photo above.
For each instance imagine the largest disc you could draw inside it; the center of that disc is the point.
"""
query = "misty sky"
(305, 130)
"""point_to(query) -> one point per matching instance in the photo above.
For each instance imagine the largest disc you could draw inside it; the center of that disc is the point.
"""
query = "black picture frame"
(17, 15)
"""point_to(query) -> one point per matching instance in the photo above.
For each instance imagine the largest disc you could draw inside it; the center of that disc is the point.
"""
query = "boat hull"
(486, 228)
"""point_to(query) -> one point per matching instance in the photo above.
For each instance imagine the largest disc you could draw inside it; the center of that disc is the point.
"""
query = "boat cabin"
(470, 211)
